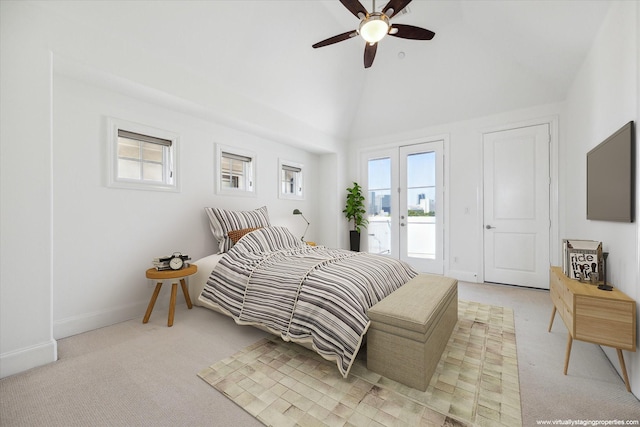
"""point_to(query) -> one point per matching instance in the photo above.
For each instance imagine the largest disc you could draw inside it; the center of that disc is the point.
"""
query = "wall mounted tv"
(611, 177)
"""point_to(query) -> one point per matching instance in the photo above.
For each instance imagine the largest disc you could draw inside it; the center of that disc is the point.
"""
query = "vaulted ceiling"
(486, 57)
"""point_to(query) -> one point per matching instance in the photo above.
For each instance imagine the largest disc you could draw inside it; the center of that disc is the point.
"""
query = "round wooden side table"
(160, 276)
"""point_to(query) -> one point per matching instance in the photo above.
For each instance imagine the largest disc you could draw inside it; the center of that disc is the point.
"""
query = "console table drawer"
(605, 322)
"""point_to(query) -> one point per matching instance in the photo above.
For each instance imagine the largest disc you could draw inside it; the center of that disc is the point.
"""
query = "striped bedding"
(303, 293)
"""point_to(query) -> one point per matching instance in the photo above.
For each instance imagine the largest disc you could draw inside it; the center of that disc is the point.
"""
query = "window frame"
(250, 189)
(282, 164)
(170, 163)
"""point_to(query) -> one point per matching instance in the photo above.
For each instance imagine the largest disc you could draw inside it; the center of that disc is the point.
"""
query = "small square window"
(291, 183)
(142, 157)
(236, 171)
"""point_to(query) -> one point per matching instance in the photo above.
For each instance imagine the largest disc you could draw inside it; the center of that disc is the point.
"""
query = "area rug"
(475, 383)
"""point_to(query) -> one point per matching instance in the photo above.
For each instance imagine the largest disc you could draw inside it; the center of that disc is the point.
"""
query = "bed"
(312, 295)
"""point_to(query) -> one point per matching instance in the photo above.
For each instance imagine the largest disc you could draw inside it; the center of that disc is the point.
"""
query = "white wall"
(330, 217)
(26, 338)
(463, 170)
(104, 238)
(73, 251)
(604, 96)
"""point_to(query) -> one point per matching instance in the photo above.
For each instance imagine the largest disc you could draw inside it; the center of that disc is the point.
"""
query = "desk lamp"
(297, 212)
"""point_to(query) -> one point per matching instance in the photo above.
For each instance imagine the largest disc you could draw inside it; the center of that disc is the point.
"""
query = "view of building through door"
(517, 206)
(404, 205)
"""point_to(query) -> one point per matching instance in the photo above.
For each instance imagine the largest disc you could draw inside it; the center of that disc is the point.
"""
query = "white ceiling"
(486, 57)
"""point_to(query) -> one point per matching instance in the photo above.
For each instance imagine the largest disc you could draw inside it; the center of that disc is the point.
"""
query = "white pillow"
(223, 221)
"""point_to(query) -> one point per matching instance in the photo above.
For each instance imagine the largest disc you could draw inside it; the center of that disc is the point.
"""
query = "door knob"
(488, 227)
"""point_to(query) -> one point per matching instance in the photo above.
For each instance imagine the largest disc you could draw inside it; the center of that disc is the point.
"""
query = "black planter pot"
(354, 239)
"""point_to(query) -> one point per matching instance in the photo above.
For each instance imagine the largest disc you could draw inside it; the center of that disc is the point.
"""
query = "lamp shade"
(297, 212)
(374, 27)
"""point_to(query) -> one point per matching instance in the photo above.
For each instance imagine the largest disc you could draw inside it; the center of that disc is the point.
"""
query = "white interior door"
(516, 206)
(405, 204)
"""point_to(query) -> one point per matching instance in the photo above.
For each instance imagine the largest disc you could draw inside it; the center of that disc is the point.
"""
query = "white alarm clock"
(176, 262)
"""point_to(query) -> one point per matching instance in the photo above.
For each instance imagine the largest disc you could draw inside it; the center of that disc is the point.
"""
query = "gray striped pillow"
(223, 221)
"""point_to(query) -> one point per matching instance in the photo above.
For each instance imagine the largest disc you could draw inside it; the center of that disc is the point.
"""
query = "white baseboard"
(464, 276)
(17, 361)
(99, 319)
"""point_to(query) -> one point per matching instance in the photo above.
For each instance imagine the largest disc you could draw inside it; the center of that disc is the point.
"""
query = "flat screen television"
(611, 177)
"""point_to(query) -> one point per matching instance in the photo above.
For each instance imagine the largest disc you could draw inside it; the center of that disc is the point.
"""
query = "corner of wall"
(14, 362)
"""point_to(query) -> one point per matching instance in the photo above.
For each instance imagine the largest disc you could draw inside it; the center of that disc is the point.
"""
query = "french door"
(405, 204)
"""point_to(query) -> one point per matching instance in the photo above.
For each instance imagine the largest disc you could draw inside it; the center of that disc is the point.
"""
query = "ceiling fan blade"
(394, 6)
(355, 7)
(411, 32)
(336, 39)
(369, 54)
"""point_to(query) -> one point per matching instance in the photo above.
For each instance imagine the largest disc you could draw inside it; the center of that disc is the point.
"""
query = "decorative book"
(581, 258)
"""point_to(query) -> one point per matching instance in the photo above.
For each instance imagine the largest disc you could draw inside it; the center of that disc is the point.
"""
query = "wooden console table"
(593, 315)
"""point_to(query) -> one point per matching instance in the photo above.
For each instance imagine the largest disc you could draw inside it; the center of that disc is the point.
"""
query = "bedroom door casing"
(517, 206)
(405, 187)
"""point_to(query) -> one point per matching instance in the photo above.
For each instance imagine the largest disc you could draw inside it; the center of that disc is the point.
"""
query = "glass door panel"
(379, 206)
(421, 231)
(420, 208)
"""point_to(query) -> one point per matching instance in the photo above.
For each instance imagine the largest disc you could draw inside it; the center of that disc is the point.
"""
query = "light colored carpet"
(135, 374)
(476, 382)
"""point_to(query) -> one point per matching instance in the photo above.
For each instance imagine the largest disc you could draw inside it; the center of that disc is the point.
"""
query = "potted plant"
(355, 211)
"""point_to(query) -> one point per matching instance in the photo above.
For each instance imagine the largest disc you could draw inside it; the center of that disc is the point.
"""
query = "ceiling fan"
(375, 25)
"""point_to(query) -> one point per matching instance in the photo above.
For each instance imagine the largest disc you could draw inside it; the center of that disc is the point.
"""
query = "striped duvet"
(303, 293)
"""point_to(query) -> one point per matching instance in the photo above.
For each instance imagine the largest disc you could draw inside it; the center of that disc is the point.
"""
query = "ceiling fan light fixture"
(374, 27)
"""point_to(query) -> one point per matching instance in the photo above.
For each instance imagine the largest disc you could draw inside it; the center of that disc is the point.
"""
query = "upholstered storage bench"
(410, 329)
